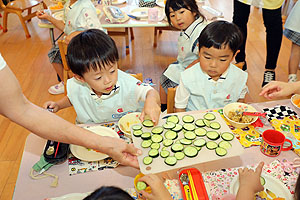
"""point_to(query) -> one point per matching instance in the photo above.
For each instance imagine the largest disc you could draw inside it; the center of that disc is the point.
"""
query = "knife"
(134, 17)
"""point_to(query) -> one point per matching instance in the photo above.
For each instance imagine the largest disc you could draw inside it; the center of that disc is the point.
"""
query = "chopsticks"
(194, 192)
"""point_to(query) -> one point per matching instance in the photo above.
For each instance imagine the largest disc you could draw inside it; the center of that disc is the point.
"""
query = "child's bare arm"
(180, 110)
(249, 183)
(151, 106)
(64, 103)
(59, 24)
(56, 106)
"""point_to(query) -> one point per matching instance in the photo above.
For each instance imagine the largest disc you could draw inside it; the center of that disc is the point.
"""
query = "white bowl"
(293, 98)
(243, 107)
(127, 121)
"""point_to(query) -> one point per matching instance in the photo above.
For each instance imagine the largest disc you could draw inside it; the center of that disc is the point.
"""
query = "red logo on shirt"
(182, 48)
(120, 110)
(228, 96)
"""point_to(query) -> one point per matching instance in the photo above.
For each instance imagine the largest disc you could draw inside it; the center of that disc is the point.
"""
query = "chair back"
(138, 76)
(63, 47)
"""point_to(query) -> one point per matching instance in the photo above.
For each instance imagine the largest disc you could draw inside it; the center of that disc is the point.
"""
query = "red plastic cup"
(272, 143)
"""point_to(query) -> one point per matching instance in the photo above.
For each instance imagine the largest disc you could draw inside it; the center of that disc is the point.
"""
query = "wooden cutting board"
(204, 155)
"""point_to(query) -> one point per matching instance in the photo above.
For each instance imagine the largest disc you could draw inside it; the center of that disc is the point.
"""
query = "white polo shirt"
(2, 62)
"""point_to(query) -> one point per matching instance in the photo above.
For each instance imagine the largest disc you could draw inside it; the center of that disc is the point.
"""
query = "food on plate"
(58, 6)
(297, 102)
(237, 116)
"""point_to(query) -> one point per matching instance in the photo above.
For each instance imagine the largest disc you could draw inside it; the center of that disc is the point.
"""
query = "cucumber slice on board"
(179, 155)
(169, 125)
(146, 143)
(200, 123)
(164, 153)
(171, 135)
(221, 151)
(171, 160)
(164, 148)
(212, 135)
(176, 148)
(136, 127)
(188, 119)
(227, 136)
(185, 141)
(262, 181)
(215, 125)
(148, 123)
(173, 118)
(157, 130)
(190, 135)
(190, 151)
(153, 153)
(211, 145)
(167, 142)
(209, 116)
(206, 122)
(141, 185)
(147, 160)
(200, 132)
(155, 146)
(177, 128)
(137, 133)
(146, 136)
(225, 144)
(199, 142)
(156, 138)
(189, 127)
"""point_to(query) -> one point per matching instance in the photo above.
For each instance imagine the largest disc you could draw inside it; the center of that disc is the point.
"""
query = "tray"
(204, 155)
(198, 183)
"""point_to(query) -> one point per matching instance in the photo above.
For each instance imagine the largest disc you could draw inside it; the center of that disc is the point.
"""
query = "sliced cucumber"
(179, 155)
(198, 148)
(206, 122)
(155, 145)
(200, 123)
(211, 145)
(177, 142)
(262, 181)
(215, 125)
(225, 144)
(190, 135)
(141, 185)
(164, 153)
(146, 143)
(212, 135)
(156, 138)
(199, 142)
(189, 127)
(169, 125)
(167, 142)
(136, 127)
(221, 151)
(171, 160)
(190, 151)
(176, 148)
(147, 160)
(157, 130)
(173, 118)
(164, 148)
(148, 123)
(200, 132)
(171, 135)
(188, 119)
(227, 136)
(137, 133)
(153, 153)
(185, 141)
(146, 136)
(209, 116)
(177, 128)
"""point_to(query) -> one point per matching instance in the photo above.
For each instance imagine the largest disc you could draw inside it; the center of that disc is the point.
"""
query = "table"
(122, 176)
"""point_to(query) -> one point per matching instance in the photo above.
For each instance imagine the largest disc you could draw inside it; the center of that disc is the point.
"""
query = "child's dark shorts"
(292, 35)
(166, 83)
(54, 55)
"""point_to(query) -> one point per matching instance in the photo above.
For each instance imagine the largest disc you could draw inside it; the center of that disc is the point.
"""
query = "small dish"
(140, 12)
(127, 121)
(295, 100)
(59, 15)
(118, 2)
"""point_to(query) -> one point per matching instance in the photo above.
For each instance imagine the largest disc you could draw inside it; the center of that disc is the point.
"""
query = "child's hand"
(250, 180)
(52, 105)
(158, 189)
(42, 15)
(151, 107)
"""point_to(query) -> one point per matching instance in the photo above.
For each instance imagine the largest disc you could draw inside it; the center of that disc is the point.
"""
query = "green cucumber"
(155, 145)
(164, 153)
(171, 135)
(200, 123)
(225, 144)
(141, 185)
(189, 127)
(227, 136)
(188, 119)
(179, 155)
(153, 153)
(177, 128)
(176, 148)
(185, 141)
(157, 130)
(171, 160)
(200, 132)
(262, 181)
(173, 119)
(215, 125)
(169, 125)
(199, 142)
(146, 143)
(147, 160)
(221, 151)
(146, 136)
(190, 151)
(212, 135)
(136, 127)
(137, 133)
(209, 116)
(211, 145)
(206, 122)
(189, 135)
(148, 123)
(156, 138)
(167, 142)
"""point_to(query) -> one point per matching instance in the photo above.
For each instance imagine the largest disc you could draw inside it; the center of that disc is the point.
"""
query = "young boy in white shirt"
(99, 92)
(213, 82)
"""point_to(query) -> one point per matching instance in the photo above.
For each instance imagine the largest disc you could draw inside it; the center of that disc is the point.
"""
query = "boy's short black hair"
(109, 193)
(190, 5)
(91, 49)
(220, 33)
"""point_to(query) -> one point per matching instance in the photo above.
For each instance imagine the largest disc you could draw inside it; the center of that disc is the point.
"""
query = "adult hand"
(52, 105)
(158, 189)
(276, 89)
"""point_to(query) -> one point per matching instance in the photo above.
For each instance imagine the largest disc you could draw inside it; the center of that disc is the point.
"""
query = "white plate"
(118, 2)
(72, 196)
(59, 15)
(127, 121)
(140, 12)
(86, 154)
(272, 184)
(160, 3)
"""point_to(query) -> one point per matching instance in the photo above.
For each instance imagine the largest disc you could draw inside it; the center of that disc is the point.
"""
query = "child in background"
(79, 15)
(213, 82)
(185, 16)
(99, 92)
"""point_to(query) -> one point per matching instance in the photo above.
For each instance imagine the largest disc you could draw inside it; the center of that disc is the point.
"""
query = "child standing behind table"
(213, 82)
(99, 92)
(185, 16)
(79, 15)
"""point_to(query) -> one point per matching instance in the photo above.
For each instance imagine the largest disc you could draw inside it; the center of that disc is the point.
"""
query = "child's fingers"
(142, 116)
(259, 168)
(146, 195)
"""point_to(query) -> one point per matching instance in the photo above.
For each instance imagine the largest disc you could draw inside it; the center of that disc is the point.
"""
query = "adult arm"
(277, 89)
(15, 106)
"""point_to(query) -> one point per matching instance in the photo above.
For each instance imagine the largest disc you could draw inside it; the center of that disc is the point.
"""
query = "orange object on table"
(198, 183)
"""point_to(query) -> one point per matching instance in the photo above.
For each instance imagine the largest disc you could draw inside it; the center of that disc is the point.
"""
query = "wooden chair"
(124, 32)
(18, 7)
(172, 91)
(159, 30)
(138, 76)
